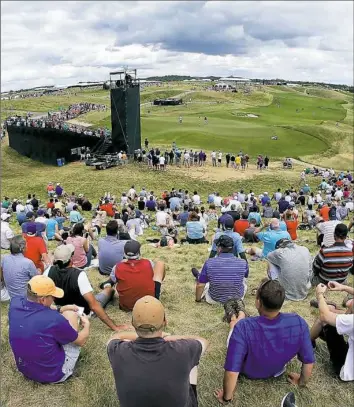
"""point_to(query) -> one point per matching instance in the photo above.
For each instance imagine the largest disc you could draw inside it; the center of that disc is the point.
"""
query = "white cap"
(5, 216)
(266, 193)
(21, 208)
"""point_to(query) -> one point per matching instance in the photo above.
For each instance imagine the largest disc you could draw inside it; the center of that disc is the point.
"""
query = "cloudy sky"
(57, 43)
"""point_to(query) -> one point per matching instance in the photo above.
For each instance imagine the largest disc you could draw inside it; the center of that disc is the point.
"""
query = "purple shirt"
(37, 335)
(151, 205)
(260, 347)
(223, 218)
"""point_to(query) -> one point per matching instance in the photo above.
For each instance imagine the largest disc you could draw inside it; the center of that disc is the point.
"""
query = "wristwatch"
(226, 401)
(58, 308)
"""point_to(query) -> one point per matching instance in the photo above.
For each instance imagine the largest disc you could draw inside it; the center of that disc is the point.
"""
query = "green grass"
(93, 383)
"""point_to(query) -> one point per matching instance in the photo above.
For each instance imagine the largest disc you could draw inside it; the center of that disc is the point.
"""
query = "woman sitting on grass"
(195, 230)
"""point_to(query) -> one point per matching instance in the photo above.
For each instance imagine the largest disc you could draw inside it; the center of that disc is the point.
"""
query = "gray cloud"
(58, 42)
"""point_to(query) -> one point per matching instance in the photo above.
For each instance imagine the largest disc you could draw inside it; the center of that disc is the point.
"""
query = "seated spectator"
(254, 342)
(222, 277)
(108, 208)
(141, 204)
(36, 249)
(268, 211)
(21, 214)
(155, 359)
(223, 218)
(196, 198)
(291, 265)
(77, 287)
(324, 212)
(249, 235)
(50, 204)
(59, 190)
(331, 326)
(31, 319)
(283, 205)
(282, 224)
(242, 224)
(110, 249)
(16, 269)
(50, 189)
(325, 231)
(6, 232)
(265, 199)
(52, 229)
(342, 212)
(136, 277)
(269, 239)
(30, 220)
(238, 249)
(212, 212)
(75, 216)
(84, 251)
(182, 218)
(333, 263)
(233, 212)
(254, 214)
(86, 205)
(195, 230)
(134, 225)
(291, 225)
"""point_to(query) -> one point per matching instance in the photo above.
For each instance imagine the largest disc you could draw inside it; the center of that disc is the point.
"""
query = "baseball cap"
(132, 249)
(31, 229)
(229, 223)
(21, 208)
(40, 212)
(5, 216)
(29, 215)
(64, 252)
(148, 313)
(44, 286)
(282, 243)
(224, 241)
(223, 209)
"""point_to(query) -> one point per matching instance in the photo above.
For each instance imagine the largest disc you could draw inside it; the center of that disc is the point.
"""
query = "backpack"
(163, 241)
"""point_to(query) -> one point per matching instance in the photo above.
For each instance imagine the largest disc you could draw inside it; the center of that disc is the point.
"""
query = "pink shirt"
(79, 257)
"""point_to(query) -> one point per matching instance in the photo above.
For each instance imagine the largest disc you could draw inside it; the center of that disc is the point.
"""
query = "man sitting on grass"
(260, 347)
(331, 326)
(238, 249)
(77, 287)
(45, 342)
(152, 368)
(222, 277)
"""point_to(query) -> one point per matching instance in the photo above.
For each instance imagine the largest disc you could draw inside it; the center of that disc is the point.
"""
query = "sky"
(61, 43)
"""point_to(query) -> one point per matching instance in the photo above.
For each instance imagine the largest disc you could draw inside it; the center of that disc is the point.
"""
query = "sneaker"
(195, 273)
(288, 400)
(106, 283)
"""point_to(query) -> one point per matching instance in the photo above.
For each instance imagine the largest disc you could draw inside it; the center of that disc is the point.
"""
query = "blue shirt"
(283, 205)
(37, 335)
(183, 217)
(174, 203)
(194, 230)
(225, 274)
(238, 247)
(75, 217)
(211, 198)
(255, 215)
(17, 271)
(60, 220)
(51, 228)
(265, 200)
(21, 217)
(110, 252)
(223, 218)
(270, 238)
(282, 226)
(260, 347)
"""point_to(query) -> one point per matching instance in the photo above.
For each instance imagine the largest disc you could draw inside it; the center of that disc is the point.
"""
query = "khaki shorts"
(72, 353)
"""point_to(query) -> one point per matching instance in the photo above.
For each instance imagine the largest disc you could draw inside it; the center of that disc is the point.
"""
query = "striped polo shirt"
(333, 263)
(225, 273)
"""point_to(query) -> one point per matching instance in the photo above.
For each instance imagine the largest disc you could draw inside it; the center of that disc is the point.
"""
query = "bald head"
(275, 224)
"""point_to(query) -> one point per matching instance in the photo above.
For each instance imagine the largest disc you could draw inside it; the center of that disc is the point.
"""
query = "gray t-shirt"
(110, 252)
(154, 372)
(295, 269)
(17, 271)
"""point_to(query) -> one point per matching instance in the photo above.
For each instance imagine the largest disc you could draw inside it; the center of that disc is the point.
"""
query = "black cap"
(229, 223)
(282, 243)
(132, 249)
(29, 215)
(225, 242)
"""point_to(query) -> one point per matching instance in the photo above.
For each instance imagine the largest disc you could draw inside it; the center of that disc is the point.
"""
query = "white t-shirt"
(345, 326)
(338, 194)
(161, 218)
(234, 202)
(131, 192)
(83, 282)
(220, 156)
(196, 199)
(41, 219)
(6, 234)
(162, 160)
(217, 201)
(213, 154)
(186, 156)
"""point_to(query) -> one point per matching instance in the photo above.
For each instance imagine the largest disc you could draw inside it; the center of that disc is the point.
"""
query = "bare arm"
(84, 333)
(326, 315)
(199, 291)
(96, 307)
(306, 371)
(86, 245)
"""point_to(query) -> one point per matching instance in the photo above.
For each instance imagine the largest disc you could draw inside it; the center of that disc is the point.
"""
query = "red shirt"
(35, 247)
(135, 280)
(291, 225)
(108, 208)
(324, 213)
(50, 205)
(241, 225)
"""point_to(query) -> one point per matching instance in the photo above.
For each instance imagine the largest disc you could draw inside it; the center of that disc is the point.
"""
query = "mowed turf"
(92, 384)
